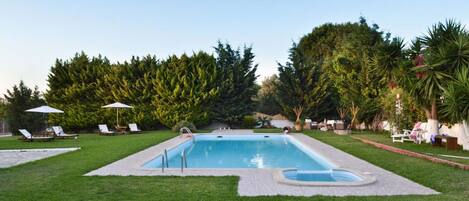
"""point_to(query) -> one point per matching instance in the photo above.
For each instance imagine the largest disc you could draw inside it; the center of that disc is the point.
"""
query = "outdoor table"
(121, 129)
(451, 142)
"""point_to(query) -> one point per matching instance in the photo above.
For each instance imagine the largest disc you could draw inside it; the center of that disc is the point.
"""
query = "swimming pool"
(291, 158)
(243, 151)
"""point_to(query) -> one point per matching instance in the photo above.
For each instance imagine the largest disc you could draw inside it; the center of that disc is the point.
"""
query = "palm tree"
(455, 106)
(388, 59)
(445, 50)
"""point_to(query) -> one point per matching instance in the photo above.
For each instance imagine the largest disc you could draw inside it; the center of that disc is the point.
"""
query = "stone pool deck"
(10, 158)
(261, 182)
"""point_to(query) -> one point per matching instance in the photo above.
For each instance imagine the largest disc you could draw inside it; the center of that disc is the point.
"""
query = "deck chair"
(28, 137)
(103, 130)
(134, 129)
(414, 135)
(59, 133)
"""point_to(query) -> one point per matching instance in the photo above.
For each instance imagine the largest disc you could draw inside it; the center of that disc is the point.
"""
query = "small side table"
(451, 142)
(121, 129)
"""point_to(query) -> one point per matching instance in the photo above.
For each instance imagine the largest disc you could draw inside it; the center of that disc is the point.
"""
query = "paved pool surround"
(14, 157)
(265, 182)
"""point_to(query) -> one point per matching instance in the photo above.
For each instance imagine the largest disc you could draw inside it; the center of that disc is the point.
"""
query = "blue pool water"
(324, 176)
(243, 151)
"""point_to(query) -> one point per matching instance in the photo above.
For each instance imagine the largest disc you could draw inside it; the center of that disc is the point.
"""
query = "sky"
(33, 34)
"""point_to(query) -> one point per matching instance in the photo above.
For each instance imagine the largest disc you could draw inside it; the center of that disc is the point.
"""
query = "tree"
(185, 89)
(388, 59)
(19, 99)
(267, 99)
(131, 83)
(445, 49)
(72, 88)
(347, 56)
(237, 84)
(455, 106)
(302, 90)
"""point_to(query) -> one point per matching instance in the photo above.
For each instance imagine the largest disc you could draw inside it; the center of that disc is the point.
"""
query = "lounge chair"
(134, 129)
(28, 137)
(59, 133)
(103, 130)
(414, 135)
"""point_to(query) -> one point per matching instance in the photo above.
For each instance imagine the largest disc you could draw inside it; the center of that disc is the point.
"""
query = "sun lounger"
(59, 133)
(414, 135)
(28, 137)
(134, 129)
(103, 130)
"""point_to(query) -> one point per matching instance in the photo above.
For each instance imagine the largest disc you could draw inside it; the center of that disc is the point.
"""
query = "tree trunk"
(464, 135)
(432, 122)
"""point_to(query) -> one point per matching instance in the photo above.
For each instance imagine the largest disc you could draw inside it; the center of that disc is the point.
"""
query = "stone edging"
(413, 154)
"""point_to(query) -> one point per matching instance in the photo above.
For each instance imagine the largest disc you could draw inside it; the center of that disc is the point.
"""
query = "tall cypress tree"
(130, 83)
(185, 88)
(72, 88)
(18, 100)
(237, 82)
(302, 88)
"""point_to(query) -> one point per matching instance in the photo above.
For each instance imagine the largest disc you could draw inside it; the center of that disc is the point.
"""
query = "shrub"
(249, 121)
(182, 124)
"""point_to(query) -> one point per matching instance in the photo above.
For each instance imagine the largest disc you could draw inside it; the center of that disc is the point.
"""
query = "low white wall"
(281, 123)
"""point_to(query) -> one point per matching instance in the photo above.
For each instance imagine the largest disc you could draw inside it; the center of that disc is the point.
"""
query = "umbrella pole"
(117, 117)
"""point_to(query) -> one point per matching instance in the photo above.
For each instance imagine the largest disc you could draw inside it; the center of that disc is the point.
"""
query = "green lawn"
(423, 148)
(60, 177)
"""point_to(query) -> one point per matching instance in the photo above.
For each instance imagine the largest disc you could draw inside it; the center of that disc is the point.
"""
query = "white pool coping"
(264, 182)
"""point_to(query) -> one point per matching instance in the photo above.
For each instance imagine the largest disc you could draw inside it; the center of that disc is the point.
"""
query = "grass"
(420, 148)
(60, 177)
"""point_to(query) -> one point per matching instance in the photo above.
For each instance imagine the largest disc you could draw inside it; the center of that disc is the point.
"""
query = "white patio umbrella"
(45, 110)
(117, 105)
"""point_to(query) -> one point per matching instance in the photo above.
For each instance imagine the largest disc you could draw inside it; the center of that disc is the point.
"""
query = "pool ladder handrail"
(188, 131)
(164, 160)
(183, 160)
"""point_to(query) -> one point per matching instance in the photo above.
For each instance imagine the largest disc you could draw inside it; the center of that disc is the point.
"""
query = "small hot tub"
(333, 177)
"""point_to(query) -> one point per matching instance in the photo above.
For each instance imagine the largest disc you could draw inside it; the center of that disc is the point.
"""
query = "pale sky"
(34, 33)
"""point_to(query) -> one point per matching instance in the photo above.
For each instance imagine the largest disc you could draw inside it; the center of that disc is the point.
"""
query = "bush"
(249, 121)
(182, 124)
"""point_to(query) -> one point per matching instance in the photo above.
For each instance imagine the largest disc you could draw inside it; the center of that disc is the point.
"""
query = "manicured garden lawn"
(60, 177)
(423, 148)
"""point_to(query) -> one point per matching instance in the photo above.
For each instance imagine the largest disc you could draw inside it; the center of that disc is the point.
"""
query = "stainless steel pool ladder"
(188, 131)
(164, 160)
(183, 160)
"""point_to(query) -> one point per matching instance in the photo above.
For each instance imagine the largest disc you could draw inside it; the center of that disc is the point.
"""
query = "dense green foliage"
(237, 83)
(19, 99)
(185, 89)
(444, 53)
(302, 90)
(198, 88)
(455, 106)
(131, 83)
(267, 99)
(349, 63)
(408, 112)
(72, 88)
(3, 108)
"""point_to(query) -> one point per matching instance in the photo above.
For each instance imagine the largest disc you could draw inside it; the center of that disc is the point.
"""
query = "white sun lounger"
(133, 128)
(104, 130)
(28, 137)
(59, 132)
